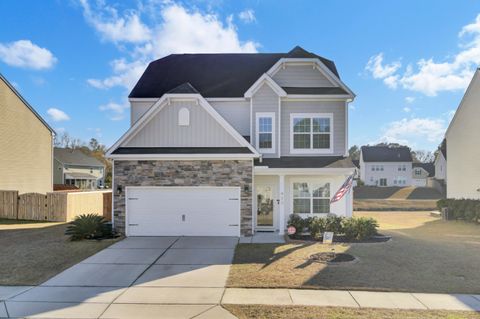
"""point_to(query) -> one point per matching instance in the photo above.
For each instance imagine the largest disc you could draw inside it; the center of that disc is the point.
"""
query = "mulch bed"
(341, 239)
(331, 257)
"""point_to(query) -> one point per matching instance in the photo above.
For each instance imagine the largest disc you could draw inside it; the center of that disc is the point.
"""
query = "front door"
(383, 182)
(266, 200)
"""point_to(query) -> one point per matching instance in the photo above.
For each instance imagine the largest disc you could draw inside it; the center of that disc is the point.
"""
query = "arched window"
(184, 117)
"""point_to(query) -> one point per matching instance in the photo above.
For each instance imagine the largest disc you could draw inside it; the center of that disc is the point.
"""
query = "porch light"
(119, 189)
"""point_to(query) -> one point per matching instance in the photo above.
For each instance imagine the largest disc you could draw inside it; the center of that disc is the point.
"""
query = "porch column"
(281, 206)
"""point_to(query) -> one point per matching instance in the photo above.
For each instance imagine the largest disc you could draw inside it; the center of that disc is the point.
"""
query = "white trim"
(311, 150)
(265, 170)
(272, 116)
(262, 80)
(346, 129)
(165, 100)
(317, 97)
(279, 127)
(143, 99)
(320, 66)
(251, 120)
(159, 157)
(467, 92)
(197, 187)
(226, 99)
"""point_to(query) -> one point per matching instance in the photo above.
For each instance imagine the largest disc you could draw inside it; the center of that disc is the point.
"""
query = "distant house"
(26, 144)
(74, 167)
(441, 161)
(421, 172)
(463, 151)
(386, 166)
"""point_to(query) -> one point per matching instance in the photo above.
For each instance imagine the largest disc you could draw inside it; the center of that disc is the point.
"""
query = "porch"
(280, 192)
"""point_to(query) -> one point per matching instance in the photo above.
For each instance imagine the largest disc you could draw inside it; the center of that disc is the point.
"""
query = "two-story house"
(75, 168)
(231, 144)
(386, 166)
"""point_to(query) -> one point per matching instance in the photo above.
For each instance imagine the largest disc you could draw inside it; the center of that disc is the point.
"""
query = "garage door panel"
(188, 211)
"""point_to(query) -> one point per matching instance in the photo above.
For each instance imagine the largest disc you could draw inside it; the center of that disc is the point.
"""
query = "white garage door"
(183, 211)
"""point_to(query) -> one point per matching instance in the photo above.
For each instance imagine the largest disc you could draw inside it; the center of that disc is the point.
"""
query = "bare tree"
(423, 156)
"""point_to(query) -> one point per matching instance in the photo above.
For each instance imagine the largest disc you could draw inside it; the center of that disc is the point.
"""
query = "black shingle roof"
(213, 75)
(181, 150)
(306, 162)
(386, 154)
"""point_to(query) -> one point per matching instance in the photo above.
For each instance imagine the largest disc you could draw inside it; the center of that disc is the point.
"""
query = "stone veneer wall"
(184, 173)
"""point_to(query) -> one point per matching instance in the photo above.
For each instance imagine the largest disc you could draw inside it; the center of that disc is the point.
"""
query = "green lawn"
(304, 312)
(424, 255)
(32, 252)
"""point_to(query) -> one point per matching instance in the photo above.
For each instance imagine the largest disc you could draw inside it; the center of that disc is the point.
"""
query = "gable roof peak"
(299, 52)
(184, 88)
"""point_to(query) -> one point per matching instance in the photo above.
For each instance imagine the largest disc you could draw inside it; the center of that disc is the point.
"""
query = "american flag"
(344, 189)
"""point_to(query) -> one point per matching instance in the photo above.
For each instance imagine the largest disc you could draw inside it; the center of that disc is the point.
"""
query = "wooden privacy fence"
(57, 206)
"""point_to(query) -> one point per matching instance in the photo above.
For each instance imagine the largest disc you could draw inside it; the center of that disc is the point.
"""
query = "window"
(265, 138)
(311, 198)
(418, 172)
(400, 180)
(184, 117)
(402, 167)
(311, 133)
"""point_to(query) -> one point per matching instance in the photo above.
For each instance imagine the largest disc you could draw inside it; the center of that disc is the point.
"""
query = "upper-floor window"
(378, 168)
(311, 133)
(402, 167)
(265, 138)
(418, 172)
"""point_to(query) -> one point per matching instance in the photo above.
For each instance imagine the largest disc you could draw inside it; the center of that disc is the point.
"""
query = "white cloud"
(406, 109)
(96, 130)
(115, 28)
(352, 107)
(409, 99)
(57, 115)
(116, 112)
(247, 16)
(430, 76)
(25, 54)
(178, 30)
(409, 131)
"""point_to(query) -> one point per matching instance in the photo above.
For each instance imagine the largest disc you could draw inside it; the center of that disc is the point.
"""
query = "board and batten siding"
(138, 108)
(163, 130)
(301, 76)
(25, 147)
(236, 113)
(265, 100)
(336, 108)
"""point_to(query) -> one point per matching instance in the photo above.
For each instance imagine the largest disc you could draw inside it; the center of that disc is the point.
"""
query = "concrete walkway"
(353, 299)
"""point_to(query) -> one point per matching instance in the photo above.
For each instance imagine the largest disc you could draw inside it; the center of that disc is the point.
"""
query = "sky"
(409, 62)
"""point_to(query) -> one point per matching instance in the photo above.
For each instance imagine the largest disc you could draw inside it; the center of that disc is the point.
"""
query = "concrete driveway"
(139, 277)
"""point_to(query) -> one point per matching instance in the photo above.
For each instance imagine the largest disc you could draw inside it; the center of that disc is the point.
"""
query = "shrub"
(333, 223)
(359, 228)
(465, 209)
(89, 226)
(317, 227)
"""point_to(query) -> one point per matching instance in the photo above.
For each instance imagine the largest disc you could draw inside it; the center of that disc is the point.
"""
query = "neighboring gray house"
(421, 172)
(74, 167)
(386, 166)
(231, 144)
(441, 161)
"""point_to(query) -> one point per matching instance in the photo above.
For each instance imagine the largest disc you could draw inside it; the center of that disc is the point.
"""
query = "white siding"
(138, 108)
(163, 130)
(463, 170)
(390, 172)
(301, 76)
(337, 108)
(265, 100)
(237, 113)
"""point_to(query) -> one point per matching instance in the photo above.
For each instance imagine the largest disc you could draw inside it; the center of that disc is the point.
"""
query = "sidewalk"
(354, 299)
